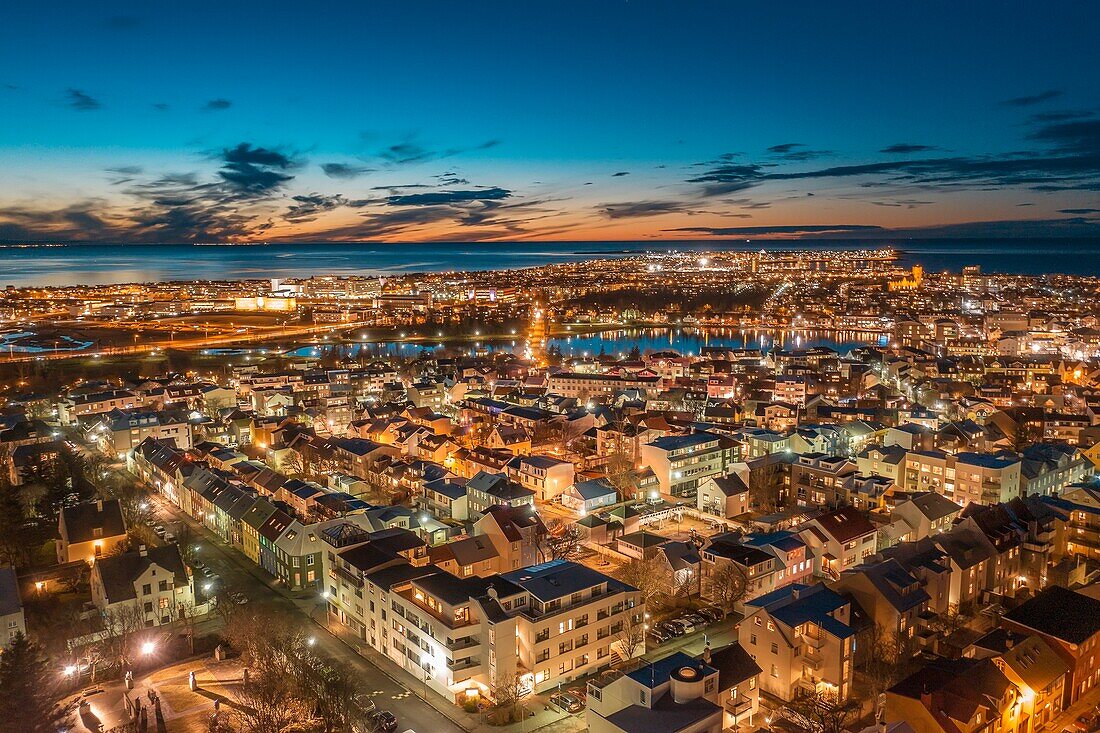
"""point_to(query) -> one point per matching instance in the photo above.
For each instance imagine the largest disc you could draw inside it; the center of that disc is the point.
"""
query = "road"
(240, 575)
(228, 339)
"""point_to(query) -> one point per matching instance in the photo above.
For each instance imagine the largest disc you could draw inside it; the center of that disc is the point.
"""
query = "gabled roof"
(118, 573)
(81, 521)
(1060, 613)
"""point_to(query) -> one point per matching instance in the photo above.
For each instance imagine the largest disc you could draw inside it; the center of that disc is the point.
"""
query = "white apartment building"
(549, 623)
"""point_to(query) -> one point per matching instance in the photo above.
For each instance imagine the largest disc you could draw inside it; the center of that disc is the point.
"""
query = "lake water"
(619, 342)
(105, 263)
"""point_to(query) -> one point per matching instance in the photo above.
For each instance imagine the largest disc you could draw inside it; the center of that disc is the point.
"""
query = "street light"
(148, 648)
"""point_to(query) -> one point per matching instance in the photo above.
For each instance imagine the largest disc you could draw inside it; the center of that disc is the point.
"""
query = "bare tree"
(651, 576)
(726, 585)
(822, 712)
(507, 691)
(631, 637)
(267, 704)
(561, 539)
(885, 659)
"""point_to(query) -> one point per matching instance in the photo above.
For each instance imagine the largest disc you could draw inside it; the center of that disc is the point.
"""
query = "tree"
(561, 539)
(20, 539)
(120, 624)
(631, 637)
(28, 690)
(885, 659)
(651, 576)
(822, 712)
(726, 585)
(267, 704)
(507, 691)
(949, 621)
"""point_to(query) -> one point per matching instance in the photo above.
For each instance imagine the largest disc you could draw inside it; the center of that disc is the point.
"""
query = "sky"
(528, 120)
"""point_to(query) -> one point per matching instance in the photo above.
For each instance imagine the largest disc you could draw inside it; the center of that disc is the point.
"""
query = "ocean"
(99, 264)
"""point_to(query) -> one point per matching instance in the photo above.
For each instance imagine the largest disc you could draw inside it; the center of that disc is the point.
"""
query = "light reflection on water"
(619, 342)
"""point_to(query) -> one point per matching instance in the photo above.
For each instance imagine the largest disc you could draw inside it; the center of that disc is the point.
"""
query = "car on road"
(159, 530)
(207, 573)
(565, 701)
(239, 598)
(383, 721)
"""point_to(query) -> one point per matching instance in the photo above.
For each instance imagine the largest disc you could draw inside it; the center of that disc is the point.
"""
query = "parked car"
(711, 613)
(384, 721)
(658, 637)
(580, 692)
(566, 702)
(239, 598)
(207, 573)
(695, 618)
(687, 625)
(671, 628)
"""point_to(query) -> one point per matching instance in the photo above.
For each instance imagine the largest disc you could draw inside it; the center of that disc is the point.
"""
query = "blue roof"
(594, 489)
(657, 673)
(814, 603)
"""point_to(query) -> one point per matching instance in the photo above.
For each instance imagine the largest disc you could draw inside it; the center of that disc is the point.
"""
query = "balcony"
(737, 706)
(353, 579)
(465, 642)
(460, 664)
(812, 659)
(814, 642)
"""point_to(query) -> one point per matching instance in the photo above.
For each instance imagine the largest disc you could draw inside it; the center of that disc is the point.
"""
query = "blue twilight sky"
(196, 121)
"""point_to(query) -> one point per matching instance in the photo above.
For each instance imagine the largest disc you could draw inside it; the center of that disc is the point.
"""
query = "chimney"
(142, 551)
(926, 697)
(706, 654)
(1010, 640)
(99, 505)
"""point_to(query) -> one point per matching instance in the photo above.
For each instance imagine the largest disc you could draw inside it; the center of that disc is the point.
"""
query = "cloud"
(448, 197)
(1079, 211)
(907, 148)
(344, 170)
(620, 174)
(411, 152)
(902, 203)
(308, 207)
(81, 101)
(797, 152)
(1069, 160)
(635, 209)
(254, 171)
(1033, 99)
(1061, 115)
(216, 105)
(1079, 137)
(781, 229)
(161, 106)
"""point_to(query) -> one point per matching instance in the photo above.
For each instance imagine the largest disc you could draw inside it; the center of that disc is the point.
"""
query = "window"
(775, 648)
(752, 639)
(775, 671)
(146, 589)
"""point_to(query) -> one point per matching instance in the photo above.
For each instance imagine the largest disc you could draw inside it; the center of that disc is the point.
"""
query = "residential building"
(89, 531)
(800, 636)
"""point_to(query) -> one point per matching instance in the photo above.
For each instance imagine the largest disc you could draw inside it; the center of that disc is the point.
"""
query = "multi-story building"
(152, 581)
(120, 431)
(801, 637)
(542, 625)
(682, 462)
(843, 538)
(1070, 623)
